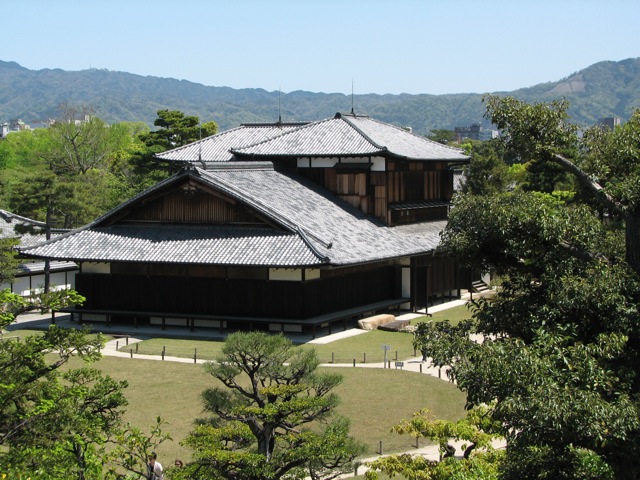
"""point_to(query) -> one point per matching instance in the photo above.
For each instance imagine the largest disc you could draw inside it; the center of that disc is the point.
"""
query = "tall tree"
(51, 421)
(488, 171)
(81, 141)
(260, 424)
(605, 162)
(561, 350)
(8, 260)
(175, 130)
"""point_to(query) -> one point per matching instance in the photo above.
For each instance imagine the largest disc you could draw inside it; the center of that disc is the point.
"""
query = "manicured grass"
(454, 315)
(373, 399)
(205, 349)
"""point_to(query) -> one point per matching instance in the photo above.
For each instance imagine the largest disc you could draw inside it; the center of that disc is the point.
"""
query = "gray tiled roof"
(340, 136)
(217, 148)
(402, 143)
(350, 135)
(331, 137)
(182, 244)
(8, 222)
(33, 268)
(426, 234)
(315, 228)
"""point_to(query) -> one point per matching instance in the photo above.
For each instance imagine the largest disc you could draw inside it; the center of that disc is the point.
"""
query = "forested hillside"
(601, 90)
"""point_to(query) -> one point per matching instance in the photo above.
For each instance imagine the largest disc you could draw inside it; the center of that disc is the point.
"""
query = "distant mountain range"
(605, 89)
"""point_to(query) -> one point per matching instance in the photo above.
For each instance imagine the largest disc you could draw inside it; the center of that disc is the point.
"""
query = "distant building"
(18, 126)
(474, 132)
(610, 122)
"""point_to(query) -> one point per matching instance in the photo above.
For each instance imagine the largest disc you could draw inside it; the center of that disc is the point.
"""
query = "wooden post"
(195, 355)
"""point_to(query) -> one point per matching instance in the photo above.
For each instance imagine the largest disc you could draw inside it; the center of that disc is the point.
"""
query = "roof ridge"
(420, 137)
(282, 134)
(364, 135)
(10, 216)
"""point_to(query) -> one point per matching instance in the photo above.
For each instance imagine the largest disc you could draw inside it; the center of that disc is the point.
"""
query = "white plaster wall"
(60, 281)
(23, 286)
(276, 327)
(285, 274)
(312, 274)
(379, 164)
(92, 267)
(317, 162)
(406, 282)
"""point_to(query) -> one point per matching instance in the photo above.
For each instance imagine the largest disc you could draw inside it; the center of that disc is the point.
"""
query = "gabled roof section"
(217, 148)
(326, 138)
(351, 135)
(29, 231)
(310, 227)
(402, 143)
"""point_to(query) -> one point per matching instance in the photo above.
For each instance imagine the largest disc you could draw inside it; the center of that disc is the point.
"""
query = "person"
(154, 469)
(179, 463)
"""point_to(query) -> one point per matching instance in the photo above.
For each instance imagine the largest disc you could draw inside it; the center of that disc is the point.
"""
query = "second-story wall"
(395, 191)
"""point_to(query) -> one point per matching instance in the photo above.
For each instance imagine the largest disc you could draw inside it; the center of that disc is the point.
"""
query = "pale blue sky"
(391, 46)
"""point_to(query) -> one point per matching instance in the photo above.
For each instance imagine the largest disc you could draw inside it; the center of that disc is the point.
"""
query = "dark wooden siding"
(238, 297)
(435, 278)
(373, 192)
(184, 206)
(427, 214)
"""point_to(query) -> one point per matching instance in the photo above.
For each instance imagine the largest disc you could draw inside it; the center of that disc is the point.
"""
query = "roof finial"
(200, 147)
(352, 112)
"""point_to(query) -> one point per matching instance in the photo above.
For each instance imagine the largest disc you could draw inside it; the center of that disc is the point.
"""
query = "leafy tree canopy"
(559, 360)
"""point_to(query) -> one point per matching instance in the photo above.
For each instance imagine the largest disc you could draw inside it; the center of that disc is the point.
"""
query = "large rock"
(371, 323)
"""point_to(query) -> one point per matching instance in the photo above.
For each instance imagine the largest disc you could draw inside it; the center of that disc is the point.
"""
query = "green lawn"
(373, 399)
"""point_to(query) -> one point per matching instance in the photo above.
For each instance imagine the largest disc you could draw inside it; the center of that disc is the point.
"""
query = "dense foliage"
(79, 168)
(273, 417)
(560, 356)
